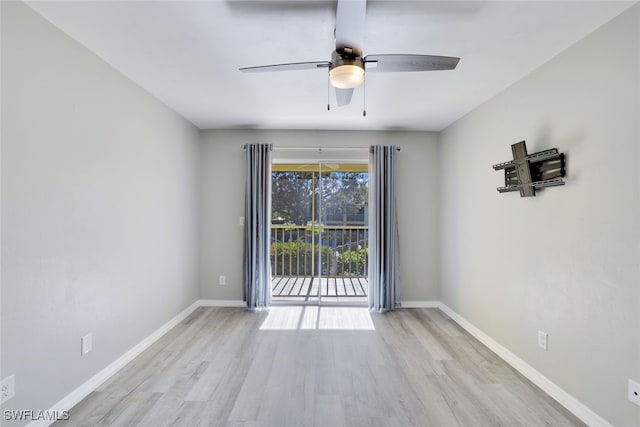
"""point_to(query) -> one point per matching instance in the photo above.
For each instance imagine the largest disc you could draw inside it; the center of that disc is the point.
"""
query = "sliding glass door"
(319, 233)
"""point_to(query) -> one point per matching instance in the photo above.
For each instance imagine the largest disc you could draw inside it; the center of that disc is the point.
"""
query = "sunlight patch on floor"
(320, 318)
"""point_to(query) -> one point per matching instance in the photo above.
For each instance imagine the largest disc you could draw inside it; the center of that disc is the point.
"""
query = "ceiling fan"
(347, 66)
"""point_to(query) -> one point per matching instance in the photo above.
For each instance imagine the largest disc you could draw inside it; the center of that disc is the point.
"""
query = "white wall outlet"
(543, 340)
(86, 344)
(8, 388)
(634, 392)
(241, 221)
(222, 281)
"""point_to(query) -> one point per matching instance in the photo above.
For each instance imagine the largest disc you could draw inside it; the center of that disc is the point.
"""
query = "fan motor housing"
(338, 60)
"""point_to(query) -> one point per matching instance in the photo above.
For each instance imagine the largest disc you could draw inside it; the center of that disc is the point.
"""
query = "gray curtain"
(384, 259)
(257, 227)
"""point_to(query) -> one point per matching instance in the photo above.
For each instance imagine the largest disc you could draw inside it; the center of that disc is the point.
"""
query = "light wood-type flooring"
(311, 366)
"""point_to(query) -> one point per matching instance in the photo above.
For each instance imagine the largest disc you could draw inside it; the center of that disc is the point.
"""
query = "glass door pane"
(293, 234)
(344, 240)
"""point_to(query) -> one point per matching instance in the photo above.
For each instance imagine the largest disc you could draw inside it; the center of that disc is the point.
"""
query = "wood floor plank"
(247, 405)
(329, 411)
(137, 407)
(318, 366)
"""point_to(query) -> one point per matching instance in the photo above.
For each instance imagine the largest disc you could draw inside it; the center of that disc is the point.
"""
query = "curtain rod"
(319, 149)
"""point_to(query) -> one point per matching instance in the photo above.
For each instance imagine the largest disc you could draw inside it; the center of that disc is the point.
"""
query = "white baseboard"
(420, 304)
(221, 303)
(94, 382)
(572, 404)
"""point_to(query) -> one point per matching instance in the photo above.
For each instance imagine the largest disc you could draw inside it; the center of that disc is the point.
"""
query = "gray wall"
(223, 200)
(99, 211)
(567, 261)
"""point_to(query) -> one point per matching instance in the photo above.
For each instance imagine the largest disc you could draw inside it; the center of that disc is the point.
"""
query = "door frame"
(318, 301)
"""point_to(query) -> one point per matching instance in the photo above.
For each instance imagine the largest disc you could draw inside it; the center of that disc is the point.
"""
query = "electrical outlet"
(634, 392)
(222, 281)
(8, 388)
(86, 344)
(241, 221)
(543, 339)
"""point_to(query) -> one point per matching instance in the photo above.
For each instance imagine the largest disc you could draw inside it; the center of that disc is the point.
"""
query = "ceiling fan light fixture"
(346, 76)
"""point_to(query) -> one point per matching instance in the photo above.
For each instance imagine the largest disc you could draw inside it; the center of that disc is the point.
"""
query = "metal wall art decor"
(528, 172)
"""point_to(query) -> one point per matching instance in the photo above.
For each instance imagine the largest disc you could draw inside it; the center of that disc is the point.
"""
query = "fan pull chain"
(364, 97)
(328, 93)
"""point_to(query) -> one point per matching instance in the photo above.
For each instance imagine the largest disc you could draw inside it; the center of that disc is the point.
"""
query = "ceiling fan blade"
(276, 7)
(343, 96)
(392, 62)
(350, 17)
(287, 67)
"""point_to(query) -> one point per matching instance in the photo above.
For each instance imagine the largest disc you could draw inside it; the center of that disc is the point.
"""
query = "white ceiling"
(187, 54)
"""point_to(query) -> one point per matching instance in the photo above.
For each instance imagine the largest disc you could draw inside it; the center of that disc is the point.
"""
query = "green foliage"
(354, 262)
(343, 195)
(359, 256)
(297, 257)
(291, 196)
(296, 247)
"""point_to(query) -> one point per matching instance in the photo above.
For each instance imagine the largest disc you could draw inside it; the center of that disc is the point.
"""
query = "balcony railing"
(339, 254)
(333, 251)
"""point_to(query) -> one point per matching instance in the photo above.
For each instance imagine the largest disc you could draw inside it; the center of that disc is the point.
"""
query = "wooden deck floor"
(336, 289)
